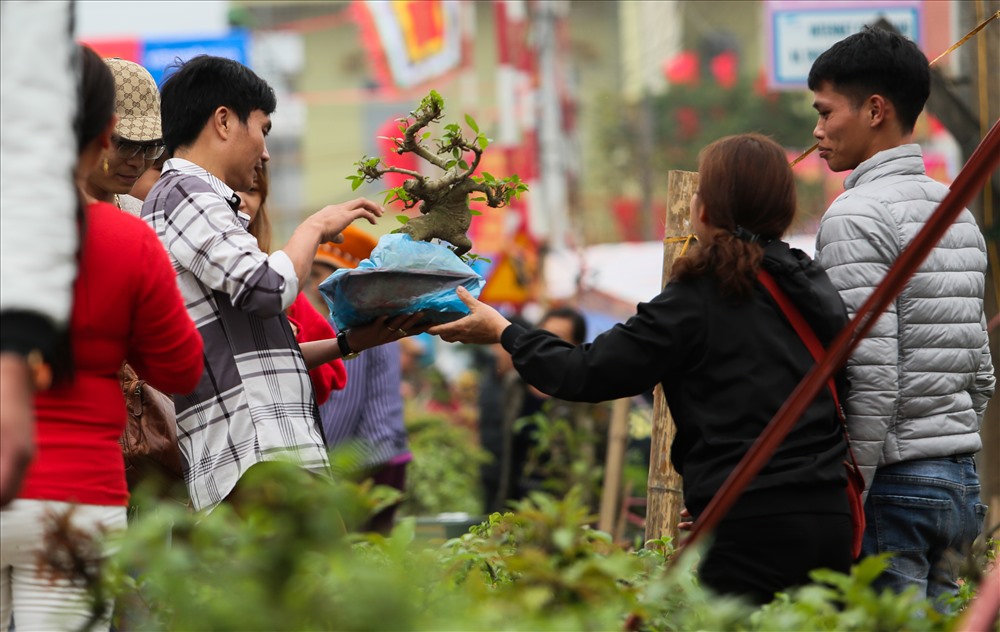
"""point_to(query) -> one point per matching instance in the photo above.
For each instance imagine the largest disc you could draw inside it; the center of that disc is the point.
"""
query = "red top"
(126, 306)
(312, 326)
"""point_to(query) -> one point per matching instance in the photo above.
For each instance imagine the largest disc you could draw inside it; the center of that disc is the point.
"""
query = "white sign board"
(798, 32)
(97, 19)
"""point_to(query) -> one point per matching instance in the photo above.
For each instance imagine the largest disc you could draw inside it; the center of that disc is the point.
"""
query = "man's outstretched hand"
(483, 325)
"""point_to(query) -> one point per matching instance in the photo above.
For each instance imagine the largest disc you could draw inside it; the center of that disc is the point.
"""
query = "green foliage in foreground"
(444, 473)
(290, 562)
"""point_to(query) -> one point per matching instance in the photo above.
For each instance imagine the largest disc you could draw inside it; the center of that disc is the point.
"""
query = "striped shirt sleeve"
(204, 236)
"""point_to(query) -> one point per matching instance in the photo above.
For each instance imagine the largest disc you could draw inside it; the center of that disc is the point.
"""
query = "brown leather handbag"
(149, 442)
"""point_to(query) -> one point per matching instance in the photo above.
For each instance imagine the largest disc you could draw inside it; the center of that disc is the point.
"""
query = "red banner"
(129, 49)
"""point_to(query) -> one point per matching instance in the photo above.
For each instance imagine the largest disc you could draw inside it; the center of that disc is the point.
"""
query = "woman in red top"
(308, 323)
(126, 306)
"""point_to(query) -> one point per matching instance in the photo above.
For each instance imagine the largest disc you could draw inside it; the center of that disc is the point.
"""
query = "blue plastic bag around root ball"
(402, 276)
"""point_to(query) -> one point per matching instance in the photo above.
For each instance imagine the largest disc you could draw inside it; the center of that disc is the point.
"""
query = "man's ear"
(222, 120)
(878, 108)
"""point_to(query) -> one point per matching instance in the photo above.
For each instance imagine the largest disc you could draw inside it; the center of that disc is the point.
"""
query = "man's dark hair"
(876, 61)
(200, 86)
(574, 317)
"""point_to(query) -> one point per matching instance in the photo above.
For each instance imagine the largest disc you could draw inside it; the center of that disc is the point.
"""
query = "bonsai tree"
(444, 199)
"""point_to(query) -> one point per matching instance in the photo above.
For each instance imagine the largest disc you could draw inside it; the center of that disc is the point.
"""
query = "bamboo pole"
(614, 463)
(664, 499)
(619, 535)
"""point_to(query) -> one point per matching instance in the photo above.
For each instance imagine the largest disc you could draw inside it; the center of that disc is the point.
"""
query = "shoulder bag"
(149, 442)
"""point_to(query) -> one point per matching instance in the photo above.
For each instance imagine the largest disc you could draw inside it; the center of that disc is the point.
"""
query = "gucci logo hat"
(137, 101)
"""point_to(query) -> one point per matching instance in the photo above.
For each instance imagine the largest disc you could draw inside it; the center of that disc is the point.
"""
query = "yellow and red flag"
(413, 41)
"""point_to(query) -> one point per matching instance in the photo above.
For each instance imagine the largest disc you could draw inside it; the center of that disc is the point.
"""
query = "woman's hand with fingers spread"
(385, 329)
(483, 325)
(408, 324)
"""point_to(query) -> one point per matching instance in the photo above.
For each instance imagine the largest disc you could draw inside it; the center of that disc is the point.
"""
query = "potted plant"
(442, 199)
(416, 268)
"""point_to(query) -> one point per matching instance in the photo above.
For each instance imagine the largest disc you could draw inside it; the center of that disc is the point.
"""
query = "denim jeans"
(927, 513)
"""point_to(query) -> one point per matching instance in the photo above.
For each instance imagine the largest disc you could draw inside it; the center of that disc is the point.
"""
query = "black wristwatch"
(345, 347)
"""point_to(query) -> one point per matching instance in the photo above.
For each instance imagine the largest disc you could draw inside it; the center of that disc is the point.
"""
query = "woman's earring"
(107, 168)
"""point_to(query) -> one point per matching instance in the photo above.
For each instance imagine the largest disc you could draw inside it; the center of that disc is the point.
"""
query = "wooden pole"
(619, 534)
(986, 206)
(614, 463)
(664, 499)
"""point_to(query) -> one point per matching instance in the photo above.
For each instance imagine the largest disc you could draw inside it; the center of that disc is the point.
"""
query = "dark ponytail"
(733, 263)
(95, 108)
(748, 192)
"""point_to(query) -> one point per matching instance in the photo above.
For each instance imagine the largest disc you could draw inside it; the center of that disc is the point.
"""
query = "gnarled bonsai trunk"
(444, 200)
(448, 219)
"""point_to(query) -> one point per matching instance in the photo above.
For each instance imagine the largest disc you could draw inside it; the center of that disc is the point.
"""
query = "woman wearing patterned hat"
(137, 141)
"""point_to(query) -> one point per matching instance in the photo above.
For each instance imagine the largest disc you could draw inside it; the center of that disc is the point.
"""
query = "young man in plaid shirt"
(255, 401)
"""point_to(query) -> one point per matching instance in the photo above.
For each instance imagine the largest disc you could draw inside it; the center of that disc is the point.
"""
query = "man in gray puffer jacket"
(921, 380)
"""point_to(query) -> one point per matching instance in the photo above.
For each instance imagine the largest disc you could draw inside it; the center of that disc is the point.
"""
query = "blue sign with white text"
(161, 57)
(800, 30)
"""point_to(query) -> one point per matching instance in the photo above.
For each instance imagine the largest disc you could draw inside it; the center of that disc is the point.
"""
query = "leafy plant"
(555, 454)
(444, 473)
(443, 200)
(283, 558)
(288, 558)
(543, 567)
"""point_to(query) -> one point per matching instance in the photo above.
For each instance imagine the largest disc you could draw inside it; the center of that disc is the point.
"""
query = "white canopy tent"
(611, 279)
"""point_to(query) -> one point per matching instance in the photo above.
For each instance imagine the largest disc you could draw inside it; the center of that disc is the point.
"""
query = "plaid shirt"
(255, 400)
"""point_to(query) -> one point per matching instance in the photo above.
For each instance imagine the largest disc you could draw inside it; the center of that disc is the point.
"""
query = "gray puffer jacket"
(920, 381)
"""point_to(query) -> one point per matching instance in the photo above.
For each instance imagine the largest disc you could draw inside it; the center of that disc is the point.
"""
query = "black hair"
(203, 84)
(96, 104)
(877, 61)
(575, 318)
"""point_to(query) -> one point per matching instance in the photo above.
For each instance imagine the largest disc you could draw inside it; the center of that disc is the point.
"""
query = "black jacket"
(725, 368)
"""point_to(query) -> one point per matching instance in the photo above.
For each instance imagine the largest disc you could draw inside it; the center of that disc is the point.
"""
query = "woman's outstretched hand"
(384, 329)
(482, 326)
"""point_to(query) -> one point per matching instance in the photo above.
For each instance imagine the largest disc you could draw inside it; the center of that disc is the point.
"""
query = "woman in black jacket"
(727, 359)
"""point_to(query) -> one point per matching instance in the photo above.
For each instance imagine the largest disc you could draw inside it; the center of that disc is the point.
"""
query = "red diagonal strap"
(810, 340)
(800, 326)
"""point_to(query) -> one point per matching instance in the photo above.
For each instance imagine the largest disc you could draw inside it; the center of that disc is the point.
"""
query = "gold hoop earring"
(107, 168)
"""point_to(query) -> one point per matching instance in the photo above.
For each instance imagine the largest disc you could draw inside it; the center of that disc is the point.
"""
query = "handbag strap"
(808, 336)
